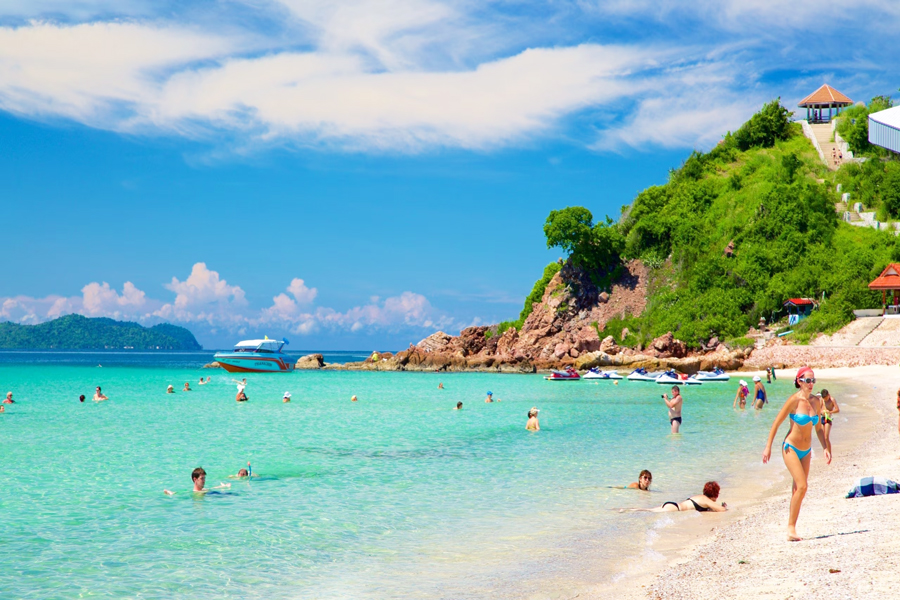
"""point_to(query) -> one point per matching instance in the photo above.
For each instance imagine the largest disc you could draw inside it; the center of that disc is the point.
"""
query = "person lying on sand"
(198, 476)
(705, 502)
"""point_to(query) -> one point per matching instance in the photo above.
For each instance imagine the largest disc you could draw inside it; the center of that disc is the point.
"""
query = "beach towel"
(873, 486)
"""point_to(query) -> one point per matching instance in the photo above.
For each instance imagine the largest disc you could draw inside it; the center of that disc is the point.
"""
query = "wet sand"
(850, 546)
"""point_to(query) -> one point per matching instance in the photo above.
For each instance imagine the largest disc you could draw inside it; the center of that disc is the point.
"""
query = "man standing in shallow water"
(674, 408)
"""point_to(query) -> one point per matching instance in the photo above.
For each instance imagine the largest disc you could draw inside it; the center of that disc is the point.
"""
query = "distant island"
(75, 332)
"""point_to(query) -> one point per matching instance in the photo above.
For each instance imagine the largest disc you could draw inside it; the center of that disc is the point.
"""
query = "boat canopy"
(266, 344)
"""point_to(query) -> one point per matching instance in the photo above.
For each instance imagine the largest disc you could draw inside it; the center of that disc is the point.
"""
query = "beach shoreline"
(849, 549)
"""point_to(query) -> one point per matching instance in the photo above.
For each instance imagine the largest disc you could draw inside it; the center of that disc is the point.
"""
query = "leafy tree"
(770, 124)
(853, 126)
(593, 247)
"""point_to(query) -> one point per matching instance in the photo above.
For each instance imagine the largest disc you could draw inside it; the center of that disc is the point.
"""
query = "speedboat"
(256, 356)
(641, 374)
(675, 378)
(569, 374)
(716, 374)
(596, 373)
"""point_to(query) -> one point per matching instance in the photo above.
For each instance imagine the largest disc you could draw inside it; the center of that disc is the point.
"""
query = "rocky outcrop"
(212, 365)
(310, 361)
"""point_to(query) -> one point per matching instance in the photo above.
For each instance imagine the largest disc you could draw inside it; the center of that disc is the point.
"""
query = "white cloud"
(301, 293)
(202, 287)
(101, 300)
(93, 72)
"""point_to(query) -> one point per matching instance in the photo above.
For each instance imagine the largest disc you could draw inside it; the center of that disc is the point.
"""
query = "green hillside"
(762, 188)
(75, 332)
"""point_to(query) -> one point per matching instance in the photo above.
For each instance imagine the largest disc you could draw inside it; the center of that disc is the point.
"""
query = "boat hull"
(255, 364)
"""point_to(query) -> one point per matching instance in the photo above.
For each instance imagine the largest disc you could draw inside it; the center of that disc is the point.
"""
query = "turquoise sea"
(394, 496)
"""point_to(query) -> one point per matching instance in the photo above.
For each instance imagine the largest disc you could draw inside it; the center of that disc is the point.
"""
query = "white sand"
(744, 553)
(860, 537)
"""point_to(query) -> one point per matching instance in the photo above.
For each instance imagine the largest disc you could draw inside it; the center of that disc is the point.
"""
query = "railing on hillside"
(808, 132)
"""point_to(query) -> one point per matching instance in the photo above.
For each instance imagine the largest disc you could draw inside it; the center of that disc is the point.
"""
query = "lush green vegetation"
(75, 332)
(853, 126)
(875, 183)
(759, 190)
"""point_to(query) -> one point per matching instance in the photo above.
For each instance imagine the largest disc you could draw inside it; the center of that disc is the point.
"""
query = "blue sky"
(358, 174)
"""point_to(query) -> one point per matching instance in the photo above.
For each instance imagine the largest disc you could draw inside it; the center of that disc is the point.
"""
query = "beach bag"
(873, 486)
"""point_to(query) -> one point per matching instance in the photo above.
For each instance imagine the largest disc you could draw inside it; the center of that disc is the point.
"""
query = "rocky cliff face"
(561, 330)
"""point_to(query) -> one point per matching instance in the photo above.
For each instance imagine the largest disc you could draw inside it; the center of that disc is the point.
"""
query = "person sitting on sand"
(187, 387)
(170, 389)
(643, 482)
(742, 392)
(759, 393)
(286, 397)
(204, 382)
(198, 476)
(533, 424)
(98, 395)
(9, 399)
(458, 406)
(829, 409)
(674, 408)
(803, 408)
(705, 502)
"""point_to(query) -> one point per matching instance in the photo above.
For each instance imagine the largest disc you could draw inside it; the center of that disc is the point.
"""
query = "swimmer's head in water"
(533, 412)
(81, 398)
(711, 490)
(459, 405)
(243, 473)
(198, 473)
(353, 399)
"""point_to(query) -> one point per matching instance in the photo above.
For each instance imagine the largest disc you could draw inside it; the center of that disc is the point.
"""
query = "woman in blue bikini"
(803, 409)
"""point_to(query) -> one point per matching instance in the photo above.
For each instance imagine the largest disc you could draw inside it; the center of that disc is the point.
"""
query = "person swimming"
(170, 389)
(458, 406)
(99, 396)
(643, 483)
(9, 399)
(533, 424)
(198, 477)
(286, 397)
(187, 387)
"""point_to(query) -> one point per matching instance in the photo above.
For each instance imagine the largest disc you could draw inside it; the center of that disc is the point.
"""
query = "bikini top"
(804, 419)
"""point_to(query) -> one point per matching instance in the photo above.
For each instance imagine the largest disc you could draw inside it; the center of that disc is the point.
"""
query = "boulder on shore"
(212, 365)
(310, 361)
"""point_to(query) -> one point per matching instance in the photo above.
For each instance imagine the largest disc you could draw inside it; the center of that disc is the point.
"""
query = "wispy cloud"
(413, 75)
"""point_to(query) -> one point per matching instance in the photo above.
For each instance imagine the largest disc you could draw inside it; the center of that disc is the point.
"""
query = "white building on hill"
(884, 129)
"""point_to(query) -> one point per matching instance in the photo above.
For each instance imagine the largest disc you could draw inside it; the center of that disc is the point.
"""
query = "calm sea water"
(395, 496)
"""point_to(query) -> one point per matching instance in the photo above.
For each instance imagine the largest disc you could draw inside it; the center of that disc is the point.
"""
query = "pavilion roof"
(825, 95)
(889, 278)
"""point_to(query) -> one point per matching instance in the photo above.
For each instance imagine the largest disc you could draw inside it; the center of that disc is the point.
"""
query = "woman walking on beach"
(803, 408)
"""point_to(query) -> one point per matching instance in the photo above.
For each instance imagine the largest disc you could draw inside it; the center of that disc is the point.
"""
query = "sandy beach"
(850, 546)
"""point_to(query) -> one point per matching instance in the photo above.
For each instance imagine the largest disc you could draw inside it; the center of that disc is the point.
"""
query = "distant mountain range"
(75, 332)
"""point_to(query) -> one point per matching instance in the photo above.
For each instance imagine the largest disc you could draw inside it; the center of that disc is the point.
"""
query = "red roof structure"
(889, 278)
(800, 302)
(824, 97)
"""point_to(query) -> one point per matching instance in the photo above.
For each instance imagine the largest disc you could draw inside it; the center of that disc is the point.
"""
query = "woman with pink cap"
(803, 409)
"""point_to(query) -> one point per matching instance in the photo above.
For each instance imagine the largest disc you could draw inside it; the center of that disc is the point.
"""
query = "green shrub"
(740, 343)
(769, 125)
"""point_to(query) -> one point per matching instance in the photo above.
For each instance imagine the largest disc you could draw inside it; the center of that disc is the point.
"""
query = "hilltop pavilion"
(824, 97)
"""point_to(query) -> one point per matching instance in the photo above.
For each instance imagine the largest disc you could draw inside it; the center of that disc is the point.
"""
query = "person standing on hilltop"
(674, 406)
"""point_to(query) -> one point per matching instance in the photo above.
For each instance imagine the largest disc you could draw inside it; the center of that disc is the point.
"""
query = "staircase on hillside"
(872, 323)
(823, 133)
